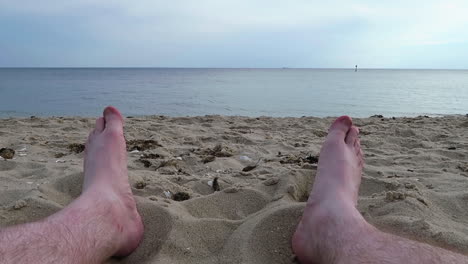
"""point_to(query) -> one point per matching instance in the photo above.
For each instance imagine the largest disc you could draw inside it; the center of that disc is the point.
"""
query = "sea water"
(247, 92)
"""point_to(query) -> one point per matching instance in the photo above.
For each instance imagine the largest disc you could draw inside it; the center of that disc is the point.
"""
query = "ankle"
(86, 223)
(327, 229)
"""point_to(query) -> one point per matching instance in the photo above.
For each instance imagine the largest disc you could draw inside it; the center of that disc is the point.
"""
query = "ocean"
(247, 92)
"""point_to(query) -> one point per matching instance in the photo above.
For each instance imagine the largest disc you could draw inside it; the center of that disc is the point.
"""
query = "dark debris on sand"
(215, 185)
(219, 151)
(145, 162)
(210, 154)
(76, 147)
(168, 163)
(140, 185)
(59, 155)
(208, 159)
(142, 144)
(152, 156)
(7, 153)
(181, 196)
(145, 159)
(249, 168)
(294, 159)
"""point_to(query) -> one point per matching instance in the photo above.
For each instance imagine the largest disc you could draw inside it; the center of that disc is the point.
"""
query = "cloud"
(239, 33)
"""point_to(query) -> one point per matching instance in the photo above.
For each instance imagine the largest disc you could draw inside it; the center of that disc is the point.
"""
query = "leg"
(101, 223)
(333, 231)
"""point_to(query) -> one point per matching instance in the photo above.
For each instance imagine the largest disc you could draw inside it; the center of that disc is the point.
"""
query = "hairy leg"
(333, 231)
(101, 223)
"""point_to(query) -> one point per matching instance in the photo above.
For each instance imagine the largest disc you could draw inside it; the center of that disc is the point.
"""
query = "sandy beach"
(219, 189)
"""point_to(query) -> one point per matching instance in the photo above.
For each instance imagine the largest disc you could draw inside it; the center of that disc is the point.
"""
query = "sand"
(415, 182)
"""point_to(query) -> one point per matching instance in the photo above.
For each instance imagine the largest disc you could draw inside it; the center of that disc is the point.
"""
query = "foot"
(106, 180)
(331, 208)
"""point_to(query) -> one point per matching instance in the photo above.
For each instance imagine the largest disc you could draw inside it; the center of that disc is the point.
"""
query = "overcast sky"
(237, 33)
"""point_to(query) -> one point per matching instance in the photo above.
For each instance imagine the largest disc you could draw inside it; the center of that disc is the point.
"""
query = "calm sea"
(250, 92)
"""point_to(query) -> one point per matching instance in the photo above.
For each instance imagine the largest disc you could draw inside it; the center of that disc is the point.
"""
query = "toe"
(357, 144)
(341, 126)
(352, 135)
(100, 124)
(360, 157)
(113, 119)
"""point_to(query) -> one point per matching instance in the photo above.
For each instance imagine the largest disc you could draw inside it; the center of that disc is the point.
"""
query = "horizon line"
(234, 68)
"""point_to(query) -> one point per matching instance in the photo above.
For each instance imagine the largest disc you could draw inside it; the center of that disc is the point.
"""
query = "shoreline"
(415, 116)
(415, 182)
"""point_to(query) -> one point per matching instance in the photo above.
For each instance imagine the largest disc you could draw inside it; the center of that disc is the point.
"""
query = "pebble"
(291, 189)
(140, 185)
(245, 158)
(20, 204)
(394, 196)
(271, 181)
(168, 194)
(7, 153)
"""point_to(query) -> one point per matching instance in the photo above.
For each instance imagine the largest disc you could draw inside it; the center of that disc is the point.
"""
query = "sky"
(234, 33)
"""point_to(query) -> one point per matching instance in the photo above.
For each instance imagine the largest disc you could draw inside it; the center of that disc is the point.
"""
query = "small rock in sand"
(271, 181)
(7, 153)
(208, 159)
(249, 168)
(395, 196)
(20, 204)
(245, 158)
(140, 184)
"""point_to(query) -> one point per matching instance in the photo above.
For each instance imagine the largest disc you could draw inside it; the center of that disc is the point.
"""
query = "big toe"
(113, 118)
(341, 126)
(352, 135)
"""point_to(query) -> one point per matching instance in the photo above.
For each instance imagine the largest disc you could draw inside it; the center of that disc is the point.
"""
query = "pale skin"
(101, 223)
(104, 221)
(333, 231)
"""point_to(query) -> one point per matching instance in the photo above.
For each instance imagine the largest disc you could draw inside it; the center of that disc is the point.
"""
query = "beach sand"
(415, 181)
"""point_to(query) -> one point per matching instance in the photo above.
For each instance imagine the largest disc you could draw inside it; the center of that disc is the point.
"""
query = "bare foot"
(330, 215)
(106, 180)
